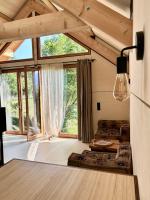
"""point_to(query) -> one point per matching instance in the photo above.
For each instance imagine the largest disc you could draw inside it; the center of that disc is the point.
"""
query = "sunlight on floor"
(55, 150)
(32, 151)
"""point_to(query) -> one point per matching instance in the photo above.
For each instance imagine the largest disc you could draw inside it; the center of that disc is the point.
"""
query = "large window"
(20, 94)
(59, 44)
(18, 50)
(70, 125)
(9, 99)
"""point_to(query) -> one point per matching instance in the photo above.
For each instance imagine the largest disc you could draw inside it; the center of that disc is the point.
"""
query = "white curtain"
(52, 98)
(6, 98)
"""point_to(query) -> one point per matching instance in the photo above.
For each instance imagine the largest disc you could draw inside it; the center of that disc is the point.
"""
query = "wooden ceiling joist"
(28, 7)
(40, 8)
(100, 16)
(49, 5)
(85, 37)
(99, 47)
(82, 36)
(5, 17)
(24, 12)
(38, 26)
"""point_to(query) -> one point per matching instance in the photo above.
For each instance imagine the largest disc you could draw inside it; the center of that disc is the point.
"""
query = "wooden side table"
(111, 148)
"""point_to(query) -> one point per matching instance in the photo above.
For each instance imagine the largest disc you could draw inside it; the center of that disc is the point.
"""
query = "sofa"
(113, 129)
(120, 162)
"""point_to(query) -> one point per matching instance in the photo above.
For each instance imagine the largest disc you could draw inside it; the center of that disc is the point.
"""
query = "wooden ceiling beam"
(82, 36)
(38, 26)
(39, 7)
(5, 17)
(101, 48)
(25, 11)
(85, 37)
(51, 8)
(28, 7)
(100, 16)
(49, 5)
(4, 46)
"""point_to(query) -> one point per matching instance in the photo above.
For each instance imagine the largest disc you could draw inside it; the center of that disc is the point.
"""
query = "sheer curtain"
(5, 99)
(52, 98)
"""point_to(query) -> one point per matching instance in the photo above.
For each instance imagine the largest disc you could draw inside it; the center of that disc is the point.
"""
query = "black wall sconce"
(121, 90)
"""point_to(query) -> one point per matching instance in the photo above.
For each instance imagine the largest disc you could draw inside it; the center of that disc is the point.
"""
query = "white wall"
(103, 77)
(140, 101)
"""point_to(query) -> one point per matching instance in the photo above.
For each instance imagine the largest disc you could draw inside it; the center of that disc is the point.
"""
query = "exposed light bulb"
(121, 90)
(121, 87)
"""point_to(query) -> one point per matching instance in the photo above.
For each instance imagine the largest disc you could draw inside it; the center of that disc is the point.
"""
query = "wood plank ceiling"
(89, 13)
(96, 14)
(9, 8)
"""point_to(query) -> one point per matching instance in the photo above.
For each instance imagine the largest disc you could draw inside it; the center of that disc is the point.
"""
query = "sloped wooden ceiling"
(87, 14)
(120, 6)
(100, 16)
(9, 8)
(25, 10)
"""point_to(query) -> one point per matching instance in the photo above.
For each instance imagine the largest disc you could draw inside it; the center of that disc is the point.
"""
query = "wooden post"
(20, 102)
(27, 102)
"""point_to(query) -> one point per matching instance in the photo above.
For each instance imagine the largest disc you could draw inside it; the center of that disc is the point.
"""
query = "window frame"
(64, 134)
(19, 60)
(25, 69)
(36, 51)
(39, 57)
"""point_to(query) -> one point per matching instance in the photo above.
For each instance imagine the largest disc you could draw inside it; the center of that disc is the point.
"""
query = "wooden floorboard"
(27, 180)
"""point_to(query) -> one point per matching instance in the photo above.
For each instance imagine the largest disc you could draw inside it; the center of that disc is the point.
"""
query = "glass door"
(70, 125)
(20, 94)
(33, 104)
(9, 99)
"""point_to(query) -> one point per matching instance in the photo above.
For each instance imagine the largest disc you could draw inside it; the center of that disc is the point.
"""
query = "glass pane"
(9, 99)
(59, 44)
(34, 102)
(70, 101)
(23, 99)
(18, 50)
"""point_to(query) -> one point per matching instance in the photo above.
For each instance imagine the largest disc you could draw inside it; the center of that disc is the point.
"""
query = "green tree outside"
(58, 44)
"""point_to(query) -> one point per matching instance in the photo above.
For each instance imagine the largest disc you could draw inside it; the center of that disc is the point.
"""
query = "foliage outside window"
(53, 45)
(70, 101)
(59, 44)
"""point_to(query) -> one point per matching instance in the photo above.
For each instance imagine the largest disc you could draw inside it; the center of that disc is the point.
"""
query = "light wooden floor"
(85, 184)
(54, 151)
(24, 180)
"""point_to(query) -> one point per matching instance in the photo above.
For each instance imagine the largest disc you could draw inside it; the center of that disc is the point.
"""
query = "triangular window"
(18, 50)
(60, 44)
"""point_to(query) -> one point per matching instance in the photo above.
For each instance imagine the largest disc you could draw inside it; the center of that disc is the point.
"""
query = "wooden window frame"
(24, 69)
(68, 135)
(19, 60)
(36, 57)
(36, 52)
(64, 55)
